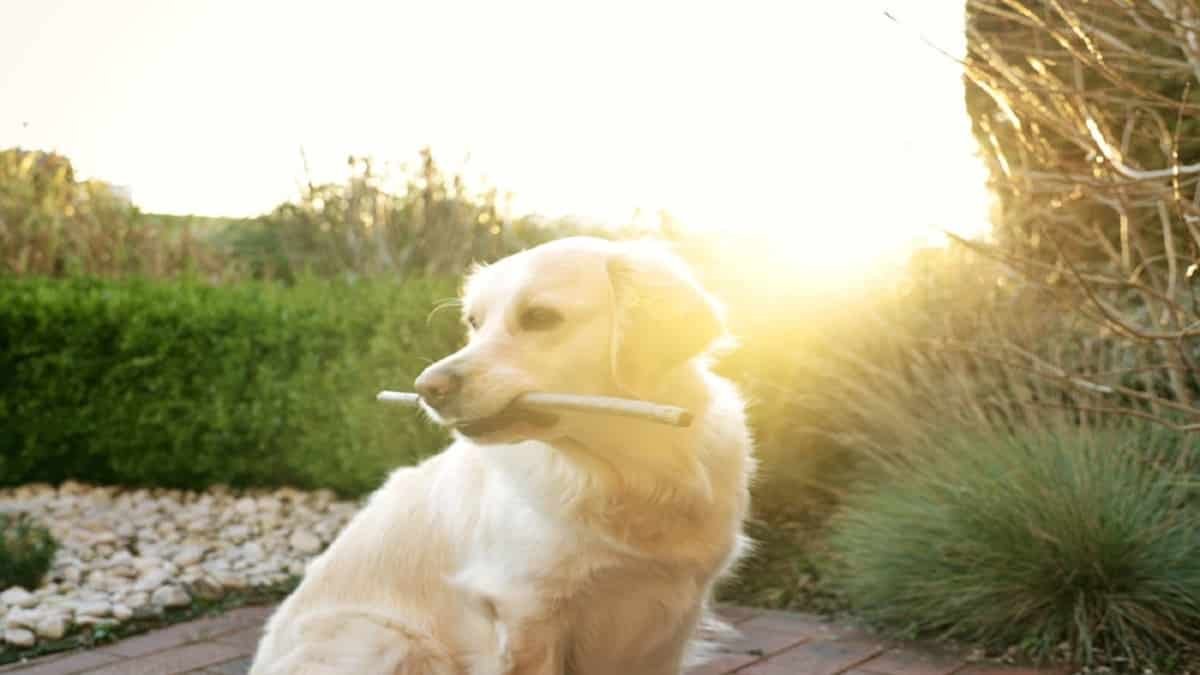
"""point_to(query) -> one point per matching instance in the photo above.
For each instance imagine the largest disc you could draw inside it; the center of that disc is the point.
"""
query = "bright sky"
(822, 124)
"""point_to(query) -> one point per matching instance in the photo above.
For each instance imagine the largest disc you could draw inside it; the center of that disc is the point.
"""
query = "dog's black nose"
(438, 384)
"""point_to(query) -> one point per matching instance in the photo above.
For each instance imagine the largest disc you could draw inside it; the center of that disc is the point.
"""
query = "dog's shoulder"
(725, 432)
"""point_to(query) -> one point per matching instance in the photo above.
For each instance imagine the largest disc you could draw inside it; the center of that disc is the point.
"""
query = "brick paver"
(243, 621)
(183, 659)
(771, 643)
(822, 657)
(913, 660)
(236, 667)
(63, 664)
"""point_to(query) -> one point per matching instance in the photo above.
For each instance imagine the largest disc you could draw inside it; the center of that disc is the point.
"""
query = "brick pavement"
(771, 643)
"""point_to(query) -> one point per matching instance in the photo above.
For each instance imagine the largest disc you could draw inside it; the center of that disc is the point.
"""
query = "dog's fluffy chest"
(564, 590)
(520, 550)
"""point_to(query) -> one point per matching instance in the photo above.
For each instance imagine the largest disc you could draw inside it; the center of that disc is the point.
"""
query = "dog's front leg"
(544, 662)
(605, 660)
(538, 648)
(639, 652)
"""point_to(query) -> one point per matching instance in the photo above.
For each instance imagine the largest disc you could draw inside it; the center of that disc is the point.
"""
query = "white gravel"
(132, 553)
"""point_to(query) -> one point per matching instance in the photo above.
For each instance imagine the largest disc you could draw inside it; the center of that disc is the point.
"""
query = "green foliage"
(26, 551)
(1030, 540)
(185, 385)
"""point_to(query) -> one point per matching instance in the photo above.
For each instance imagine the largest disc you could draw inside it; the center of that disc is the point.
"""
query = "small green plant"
(26, 551)
(1034, 540)
(104, 632)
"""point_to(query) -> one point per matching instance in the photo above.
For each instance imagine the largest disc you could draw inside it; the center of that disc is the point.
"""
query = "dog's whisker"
(445, 303)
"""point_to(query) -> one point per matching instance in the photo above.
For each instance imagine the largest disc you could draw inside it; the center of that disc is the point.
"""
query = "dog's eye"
(473, 322)
(540, 318)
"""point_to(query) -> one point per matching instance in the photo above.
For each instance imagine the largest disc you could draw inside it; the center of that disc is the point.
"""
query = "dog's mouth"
(510, 416)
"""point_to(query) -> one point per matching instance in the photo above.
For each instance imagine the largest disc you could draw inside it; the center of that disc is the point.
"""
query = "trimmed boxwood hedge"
(185, 385)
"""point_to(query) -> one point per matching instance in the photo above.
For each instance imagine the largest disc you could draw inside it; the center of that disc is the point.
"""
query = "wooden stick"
(602, 405)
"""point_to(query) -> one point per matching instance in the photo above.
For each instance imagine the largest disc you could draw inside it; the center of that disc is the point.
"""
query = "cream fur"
(589, 548)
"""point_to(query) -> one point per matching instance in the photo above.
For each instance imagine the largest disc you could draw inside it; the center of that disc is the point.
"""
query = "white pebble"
(171, 596)
(190, 555)
(23, 618)
(126, 554)
(52, 627)
(152, 580)
(97, 608)
(19, 637)
(305, 542)
(18, 597)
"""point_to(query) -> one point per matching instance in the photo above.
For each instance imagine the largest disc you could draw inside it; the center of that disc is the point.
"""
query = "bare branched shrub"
(1088, 115)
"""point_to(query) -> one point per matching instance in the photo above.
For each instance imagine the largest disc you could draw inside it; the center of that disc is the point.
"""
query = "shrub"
(418, 222)
(431, 226)
(1030, 540)
(1085, 114)
(26, 551)
(185, 385)
(54, 225)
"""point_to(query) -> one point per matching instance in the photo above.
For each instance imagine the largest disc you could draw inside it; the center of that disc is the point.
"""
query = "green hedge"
(187, 385)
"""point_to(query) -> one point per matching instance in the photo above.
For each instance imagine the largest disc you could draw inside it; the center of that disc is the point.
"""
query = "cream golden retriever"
(568, 544)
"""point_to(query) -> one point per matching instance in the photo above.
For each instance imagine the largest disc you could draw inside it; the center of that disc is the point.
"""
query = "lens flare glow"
(829, 132)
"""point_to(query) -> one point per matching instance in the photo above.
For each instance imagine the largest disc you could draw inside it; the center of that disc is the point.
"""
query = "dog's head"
(578, 315)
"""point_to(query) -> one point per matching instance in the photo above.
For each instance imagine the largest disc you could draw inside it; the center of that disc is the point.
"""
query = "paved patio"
(772, 643)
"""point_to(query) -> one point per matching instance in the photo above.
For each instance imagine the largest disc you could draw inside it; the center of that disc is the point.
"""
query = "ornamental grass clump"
(1077, 544)
(26, 551)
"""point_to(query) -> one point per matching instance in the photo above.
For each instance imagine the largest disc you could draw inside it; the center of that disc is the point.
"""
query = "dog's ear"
(663, 317)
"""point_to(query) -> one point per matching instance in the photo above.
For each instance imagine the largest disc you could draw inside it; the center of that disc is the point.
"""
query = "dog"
(573, 543)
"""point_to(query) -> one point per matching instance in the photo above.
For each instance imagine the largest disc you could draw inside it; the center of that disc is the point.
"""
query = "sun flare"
(835, 133)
